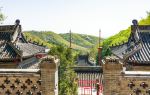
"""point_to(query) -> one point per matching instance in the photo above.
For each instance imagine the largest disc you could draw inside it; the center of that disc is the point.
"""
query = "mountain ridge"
(49, 38)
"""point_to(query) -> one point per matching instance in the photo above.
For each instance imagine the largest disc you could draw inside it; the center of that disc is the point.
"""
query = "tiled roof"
(7, 28)
(6, 52)
(6, 33)
(143, 55)
(13, 44)
(29, 49)
(119, 50)
(4, 36)
(137, 49)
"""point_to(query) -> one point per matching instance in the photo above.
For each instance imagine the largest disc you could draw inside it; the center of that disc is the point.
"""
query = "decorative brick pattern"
(116, 82)
(20, 84)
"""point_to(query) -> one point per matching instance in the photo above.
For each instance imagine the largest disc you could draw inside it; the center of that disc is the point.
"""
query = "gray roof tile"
(12, 43)
(140, 56)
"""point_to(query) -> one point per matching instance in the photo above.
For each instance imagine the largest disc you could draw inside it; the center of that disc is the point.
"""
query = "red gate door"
(87, 90)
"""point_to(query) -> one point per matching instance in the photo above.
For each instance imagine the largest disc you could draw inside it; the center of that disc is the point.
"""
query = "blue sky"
(81, 16)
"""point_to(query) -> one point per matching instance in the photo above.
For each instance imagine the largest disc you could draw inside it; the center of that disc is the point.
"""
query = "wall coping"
(138, 73)
(19, 70)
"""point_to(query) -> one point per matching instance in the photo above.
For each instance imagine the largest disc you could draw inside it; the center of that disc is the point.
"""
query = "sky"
(79, 16)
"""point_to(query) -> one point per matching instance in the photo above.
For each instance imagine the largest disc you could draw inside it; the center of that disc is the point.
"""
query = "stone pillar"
(48, 68)
(112, 76)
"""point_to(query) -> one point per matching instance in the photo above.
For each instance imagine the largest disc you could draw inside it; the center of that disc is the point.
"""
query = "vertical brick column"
(112, 72)
(48, 68)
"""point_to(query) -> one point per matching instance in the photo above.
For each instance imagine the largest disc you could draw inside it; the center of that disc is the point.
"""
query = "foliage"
(93, 52)
(35, 38)
(145, 21)
(83, 40)
(67, 83)
(80, 41)
(2, 16)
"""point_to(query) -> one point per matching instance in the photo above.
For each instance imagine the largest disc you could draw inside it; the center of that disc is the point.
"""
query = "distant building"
(26, 69)
(89, 77)
(127, 72)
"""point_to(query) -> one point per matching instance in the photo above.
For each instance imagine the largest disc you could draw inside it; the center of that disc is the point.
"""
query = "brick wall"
(116, 82)
(111, 71)
(137, 81)
(48, 69)
(20, 82)
(141, 68)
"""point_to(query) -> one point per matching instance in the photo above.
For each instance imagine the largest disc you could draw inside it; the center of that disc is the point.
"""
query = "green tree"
(2, 17)
(67, 76)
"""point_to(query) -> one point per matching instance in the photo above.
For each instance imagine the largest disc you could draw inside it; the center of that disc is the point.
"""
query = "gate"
(90, 87)
(87, 91)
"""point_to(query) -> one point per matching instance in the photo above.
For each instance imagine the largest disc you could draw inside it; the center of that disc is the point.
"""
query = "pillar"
(49, 76)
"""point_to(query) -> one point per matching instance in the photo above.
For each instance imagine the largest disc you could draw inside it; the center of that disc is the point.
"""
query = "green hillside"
(83, 40)
(49, 38)
(31, 37)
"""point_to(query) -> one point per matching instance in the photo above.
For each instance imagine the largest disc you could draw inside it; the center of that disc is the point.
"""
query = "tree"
(2, 17)
(67, 76)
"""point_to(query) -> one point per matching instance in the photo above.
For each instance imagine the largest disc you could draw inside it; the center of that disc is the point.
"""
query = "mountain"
(49, 38)
(83, 40)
